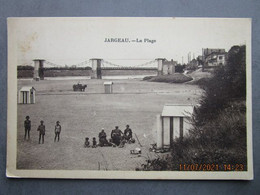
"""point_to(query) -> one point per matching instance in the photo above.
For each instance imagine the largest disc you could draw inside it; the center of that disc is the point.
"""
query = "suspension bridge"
(161, 65)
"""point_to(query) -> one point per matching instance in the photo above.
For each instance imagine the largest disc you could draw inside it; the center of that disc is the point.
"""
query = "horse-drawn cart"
(79, 87)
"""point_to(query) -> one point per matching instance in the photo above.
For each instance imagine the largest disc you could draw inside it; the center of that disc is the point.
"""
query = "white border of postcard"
(12, 172)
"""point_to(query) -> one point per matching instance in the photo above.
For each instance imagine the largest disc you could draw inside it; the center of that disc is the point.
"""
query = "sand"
(83, 114)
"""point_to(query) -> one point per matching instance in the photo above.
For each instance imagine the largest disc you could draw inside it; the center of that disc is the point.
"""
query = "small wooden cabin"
(108, 87)
(26, 95)
(174, 122)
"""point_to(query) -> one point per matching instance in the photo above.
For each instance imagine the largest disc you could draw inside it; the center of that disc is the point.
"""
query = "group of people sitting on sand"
(118, 138)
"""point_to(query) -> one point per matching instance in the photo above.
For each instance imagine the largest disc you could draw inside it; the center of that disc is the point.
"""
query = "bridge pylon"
(160, 66)
(38, 69)
(96, 68)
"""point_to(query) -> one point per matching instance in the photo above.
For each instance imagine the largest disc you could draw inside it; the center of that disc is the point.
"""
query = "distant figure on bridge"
(116, 136)
(41, 129)
(57, 131)
(27, 127)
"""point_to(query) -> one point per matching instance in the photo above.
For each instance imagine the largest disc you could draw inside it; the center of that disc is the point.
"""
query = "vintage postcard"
(129, 98)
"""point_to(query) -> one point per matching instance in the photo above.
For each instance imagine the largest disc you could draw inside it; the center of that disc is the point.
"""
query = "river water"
(117, 77)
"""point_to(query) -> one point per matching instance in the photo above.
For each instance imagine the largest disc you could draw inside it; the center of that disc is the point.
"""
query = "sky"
(71, 41)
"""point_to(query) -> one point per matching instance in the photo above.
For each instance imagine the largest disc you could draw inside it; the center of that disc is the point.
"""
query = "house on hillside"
(208, 51)
(214, 57)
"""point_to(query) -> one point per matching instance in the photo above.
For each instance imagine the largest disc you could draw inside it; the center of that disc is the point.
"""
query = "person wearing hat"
(41, 129)
(27, 127)
(116, 136)
(57, 131)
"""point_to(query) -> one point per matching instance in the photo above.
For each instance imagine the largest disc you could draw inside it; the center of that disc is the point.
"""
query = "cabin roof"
(27, 88)
(177, 110)
(108, 83)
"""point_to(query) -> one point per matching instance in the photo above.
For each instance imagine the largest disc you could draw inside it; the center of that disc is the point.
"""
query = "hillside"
(198, 76)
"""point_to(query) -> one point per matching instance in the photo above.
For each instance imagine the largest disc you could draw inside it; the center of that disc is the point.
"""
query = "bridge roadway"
(128, 68)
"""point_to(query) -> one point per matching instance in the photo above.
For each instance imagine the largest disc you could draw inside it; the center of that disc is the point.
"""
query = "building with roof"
(214, 57)
(174, 122)
(169, 67)
(26, 95)
(166, 67)
(208, 51)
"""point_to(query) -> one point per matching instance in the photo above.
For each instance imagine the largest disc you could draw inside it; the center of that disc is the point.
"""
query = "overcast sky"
(73, 40)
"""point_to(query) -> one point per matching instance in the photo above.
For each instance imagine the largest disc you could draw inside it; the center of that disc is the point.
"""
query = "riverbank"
(173, 78)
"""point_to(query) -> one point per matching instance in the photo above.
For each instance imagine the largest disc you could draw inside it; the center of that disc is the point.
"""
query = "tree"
(227, 84)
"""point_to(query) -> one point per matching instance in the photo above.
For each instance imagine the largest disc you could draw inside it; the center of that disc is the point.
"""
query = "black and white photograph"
(129, 98)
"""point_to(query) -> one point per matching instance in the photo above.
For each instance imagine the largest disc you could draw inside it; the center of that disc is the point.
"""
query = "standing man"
(41, 129)
(27, 127)
(57, 131)
(116, 136)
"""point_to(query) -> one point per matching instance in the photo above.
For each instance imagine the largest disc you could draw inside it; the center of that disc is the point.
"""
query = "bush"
(179, 68)
(147, 78)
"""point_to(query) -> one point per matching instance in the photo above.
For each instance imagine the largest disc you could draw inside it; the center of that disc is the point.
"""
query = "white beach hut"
(174, 122)
(26, 95)
(108, 87)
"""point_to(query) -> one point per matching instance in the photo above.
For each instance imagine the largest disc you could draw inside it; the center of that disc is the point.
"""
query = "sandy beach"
(83, 114)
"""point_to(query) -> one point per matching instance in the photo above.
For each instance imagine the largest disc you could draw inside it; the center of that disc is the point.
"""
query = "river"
(117, 77)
